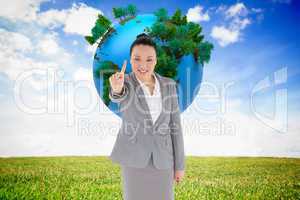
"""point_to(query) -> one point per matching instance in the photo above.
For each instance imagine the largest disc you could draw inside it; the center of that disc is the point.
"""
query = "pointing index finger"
(124, 66)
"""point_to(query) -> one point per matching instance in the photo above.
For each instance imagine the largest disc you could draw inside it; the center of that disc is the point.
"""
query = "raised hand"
(117, 79)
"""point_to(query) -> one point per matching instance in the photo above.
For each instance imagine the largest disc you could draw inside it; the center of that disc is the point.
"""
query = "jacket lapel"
(142, 99)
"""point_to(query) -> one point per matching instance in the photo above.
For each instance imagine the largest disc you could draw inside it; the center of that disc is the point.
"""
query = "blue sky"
(256, 44)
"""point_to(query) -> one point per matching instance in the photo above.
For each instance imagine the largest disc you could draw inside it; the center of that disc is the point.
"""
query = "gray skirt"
(147, 183)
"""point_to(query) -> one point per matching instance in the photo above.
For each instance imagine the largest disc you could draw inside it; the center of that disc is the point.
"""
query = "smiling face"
(143, 61)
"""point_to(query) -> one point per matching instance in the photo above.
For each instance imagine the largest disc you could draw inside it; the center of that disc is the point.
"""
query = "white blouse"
(154, 101)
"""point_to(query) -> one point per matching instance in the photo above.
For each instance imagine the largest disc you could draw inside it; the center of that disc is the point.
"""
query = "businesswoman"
(149, 146)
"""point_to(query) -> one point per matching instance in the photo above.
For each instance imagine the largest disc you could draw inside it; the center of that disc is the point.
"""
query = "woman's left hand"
(178, 176)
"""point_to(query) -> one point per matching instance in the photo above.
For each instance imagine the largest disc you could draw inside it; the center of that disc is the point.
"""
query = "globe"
(116, 48)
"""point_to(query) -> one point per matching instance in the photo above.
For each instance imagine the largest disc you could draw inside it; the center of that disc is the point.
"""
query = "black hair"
(143, 39)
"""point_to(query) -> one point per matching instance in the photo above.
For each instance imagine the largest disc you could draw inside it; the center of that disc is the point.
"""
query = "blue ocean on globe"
(116, 48)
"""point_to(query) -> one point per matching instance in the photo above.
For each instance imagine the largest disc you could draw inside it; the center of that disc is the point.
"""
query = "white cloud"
(224, 36)
(91, 48)
(257, 10)
(75, 42)
(19, 53)
(33, 45)
(79, 19)
(239, 24)
(259, 14)
(83, 74)
(29, 46)
(52, 18)
(48, 45)
(14, 42)
(238, 9)
(25, 10)
(197, 15)
(239, 134)
(221, 8)
(13, 48)
(237, 19)
(51, 135)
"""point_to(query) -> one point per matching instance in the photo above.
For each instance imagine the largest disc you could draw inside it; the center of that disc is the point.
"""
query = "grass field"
(96, 177)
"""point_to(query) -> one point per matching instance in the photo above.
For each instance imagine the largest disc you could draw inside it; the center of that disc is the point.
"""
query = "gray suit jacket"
(138, 137)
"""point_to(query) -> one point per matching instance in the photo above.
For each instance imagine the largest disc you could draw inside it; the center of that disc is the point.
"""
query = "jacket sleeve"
(117, 98)
(176, 131)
